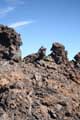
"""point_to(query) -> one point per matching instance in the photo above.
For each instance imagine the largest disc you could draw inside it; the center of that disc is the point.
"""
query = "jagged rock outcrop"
(40, 89)
(36, 56)
(77, 60)
(10, 43)
(58, 53)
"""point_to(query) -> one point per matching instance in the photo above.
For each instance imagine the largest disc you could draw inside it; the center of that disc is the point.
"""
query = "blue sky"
(42, 22)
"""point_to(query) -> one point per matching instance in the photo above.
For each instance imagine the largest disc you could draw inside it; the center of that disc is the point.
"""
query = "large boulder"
(59, 54)
(10, 43)
(77, 60)
(77, 57)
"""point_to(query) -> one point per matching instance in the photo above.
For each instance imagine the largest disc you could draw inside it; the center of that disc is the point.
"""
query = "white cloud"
(5, 11)
(19, 24)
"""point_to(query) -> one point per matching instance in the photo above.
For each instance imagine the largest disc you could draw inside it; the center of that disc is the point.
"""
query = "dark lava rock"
(77, 60)
(10, 43)
(58, 53)
(77, 57)
(36, 56)
(46, 88)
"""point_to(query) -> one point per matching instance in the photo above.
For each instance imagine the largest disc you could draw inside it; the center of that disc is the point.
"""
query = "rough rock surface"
(35, 56)
(59, 53)
(40, 90)
(10, 43)
(77, 60)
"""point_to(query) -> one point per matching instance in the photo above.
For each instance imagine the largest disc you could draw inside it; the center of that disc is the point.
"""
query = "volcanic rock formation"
(39, 87)
(10, 43)
(77, 60)
(58, 53)
(36, 56)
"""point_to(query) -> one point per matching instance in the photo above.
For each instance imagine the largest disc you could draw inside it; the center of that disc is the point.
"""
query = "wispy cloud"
(21, 23)
(5, 11)
(15, 2)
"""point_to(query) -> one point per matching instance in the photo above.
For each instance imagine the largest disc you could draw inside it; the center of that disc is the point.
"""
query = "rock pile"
(40, 87)
(36, 56)
(10, 43)
(58, 53)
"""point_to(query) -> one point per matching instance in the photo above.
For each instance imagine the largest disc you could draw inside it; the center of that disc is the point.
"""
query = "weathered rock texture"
(36, 56)
(58, 53)
(77, 60)
(40, 89)
(10, 43)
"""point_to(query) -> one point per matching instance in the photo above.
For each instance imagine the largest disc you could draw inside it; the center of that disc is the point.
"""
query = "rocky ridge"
(38, 87)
